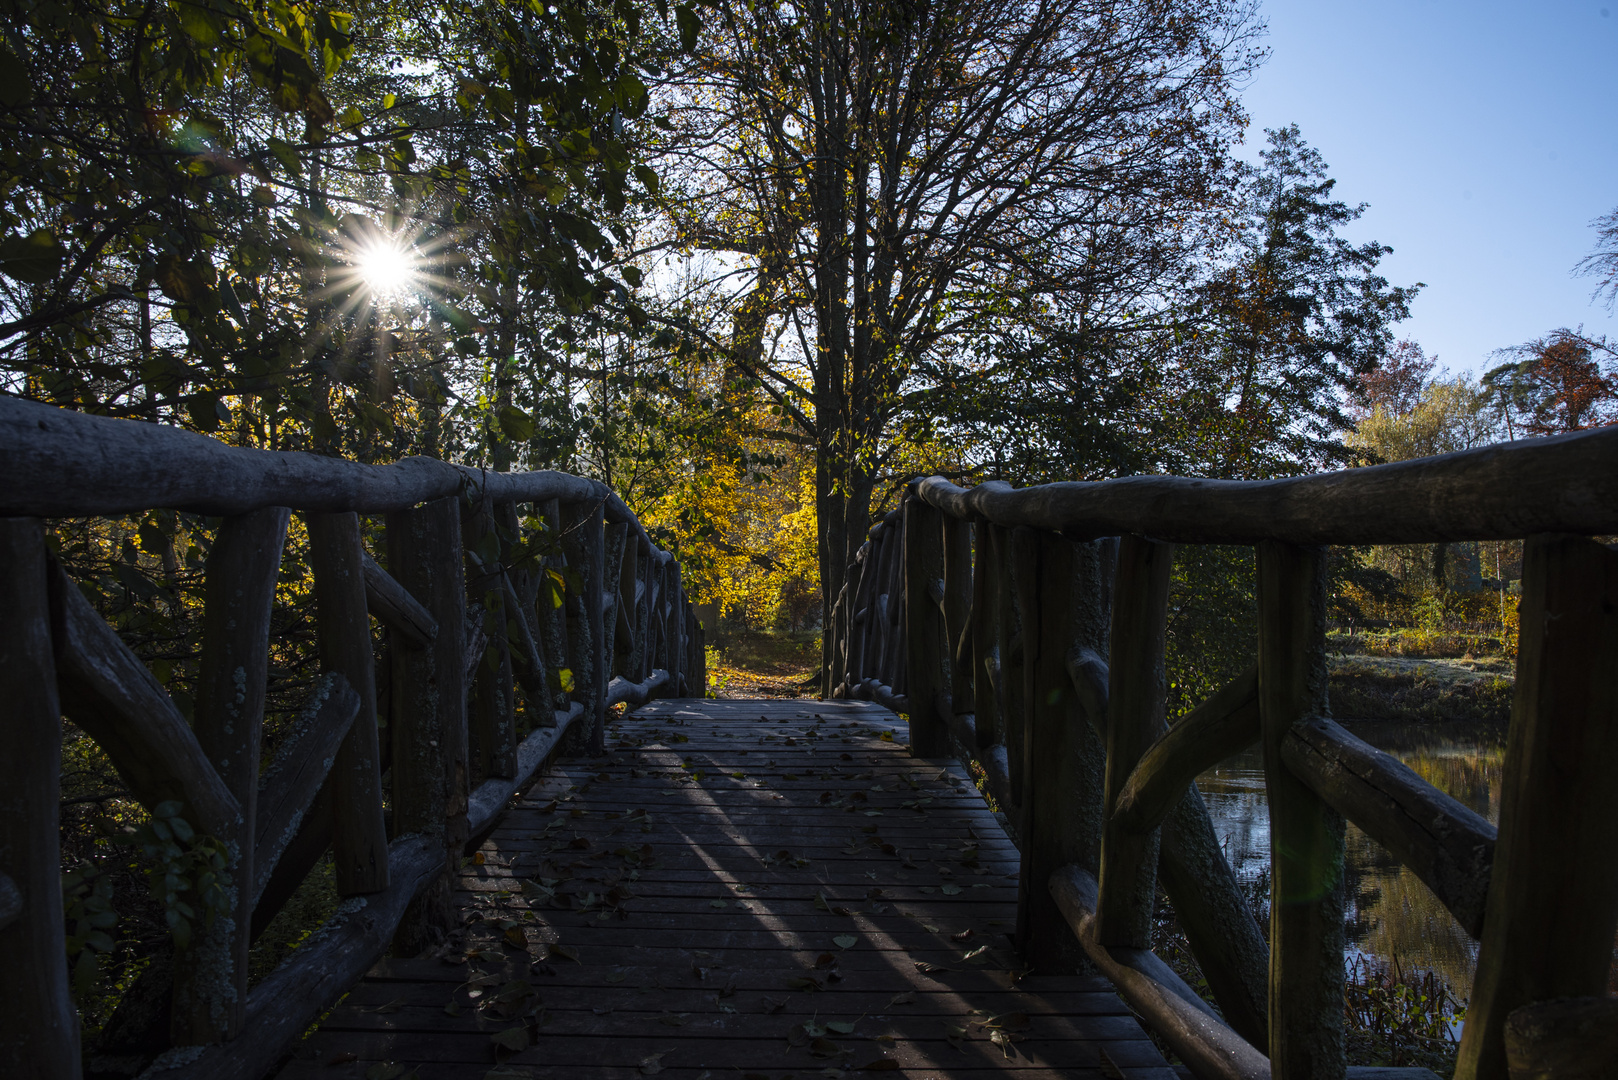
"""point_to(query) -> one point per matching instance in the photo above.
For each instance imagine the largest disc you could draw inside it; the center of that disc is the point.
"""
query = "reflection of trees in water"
(1390, 912)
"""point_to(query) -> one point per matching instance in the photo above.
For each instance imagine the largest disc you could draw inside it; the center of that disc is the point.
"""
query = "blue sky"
(1483, 136)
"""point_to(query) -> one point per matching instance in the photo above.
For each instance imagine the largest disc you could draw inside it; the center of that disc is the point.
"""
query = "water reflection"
(1391, 914)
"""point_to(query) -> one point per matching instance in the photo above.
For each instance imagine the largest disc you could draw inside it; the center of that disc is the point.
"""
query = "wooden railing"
(1024, 630)
(463, 624)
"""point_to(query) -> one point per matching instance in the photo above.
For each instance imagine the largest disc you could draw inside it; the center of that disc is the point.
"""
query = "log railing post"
(1059, 586)
(428, 725)
(343, 628)
(492, 719)
(552, 617)
(1009, 643)
(621, 587)
(958, 596)
(210, 984)
(891, 669)
(859, 599)
(926, 675)
(1127, 898)
(584, 540)
(985, 656)
(676, 630)
(1553, 894)
(39, 1027)
(1306, 835)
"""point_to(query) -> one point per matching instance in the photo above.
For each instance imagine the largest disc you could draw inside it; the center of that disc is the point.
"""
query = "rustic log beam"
(210, 984)
(676, 617)
(39, 1027)
(1201, 885)
(530, 665)
(1563, 483)
(1060, 597)
(491, 707)
(1306, 835)
(957, 604)
(281, 1008)
(614, 624)
(489, 799)
(1564, 1039)
(428, 725)
(108, 692)
(622, 691)
(395, 608)
(343, 632)
(584, 541)
(926, 660)
(551, 609)
(1552, 906)
(1136, 704)
(985, 656)
(1225, 724)
(1008, 627)
(288, 787)
(1210, 1049)
(1442, 840)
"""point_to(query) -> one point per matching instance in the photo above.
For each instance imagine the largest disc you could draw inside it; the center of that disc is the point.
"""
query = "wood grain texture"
(1135, 719)
(395, 608)
(1306, 835)
(343, 634)
(988, 728)
(108, 692)
(1225, 724)
(1448, 845)
(1553, 896)
(1192, 1030)
(1564, 1039)
(289, 784)
(1563, 483)
(39, 1027)
(927, 657)
(700, 966)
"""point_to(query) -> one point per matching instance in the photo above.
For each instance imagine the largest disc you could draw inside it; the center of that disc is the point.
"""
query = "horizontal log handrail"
(467, 640)
(1030, 577)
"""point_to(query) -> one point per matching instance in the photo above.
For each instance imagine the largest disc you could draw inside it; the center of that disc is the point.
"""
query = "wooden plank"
(1009, 645)
(958, 599)
(1553, 895)
(39, 1027)
(343, 633)
(703, 982)
(1568, 1037)
(1306, 835)
(927, 660)
(1127, 903)
(491, 705)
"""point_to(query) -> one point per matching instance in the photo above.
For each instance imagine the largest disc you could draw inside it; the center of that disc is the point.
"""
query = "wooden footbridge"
(535, 885)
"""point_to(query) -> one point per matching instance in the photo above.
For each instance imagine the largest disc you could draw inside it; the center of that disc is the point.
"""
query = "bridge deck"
(748, 889)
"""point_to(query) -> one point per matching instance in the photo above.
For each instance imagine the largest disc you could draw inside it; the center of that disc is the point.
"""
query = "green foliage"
(87, 901)
(188, 872)
(1213, 622)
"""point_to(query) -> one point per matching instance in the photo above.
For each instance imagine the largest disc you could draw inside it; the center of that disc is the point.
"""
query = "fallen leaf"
(805, 984)
(557, 950)
(513, 1039)
(516, 937)
(652, 1064)
(906, 998)
(826, 960)
(717, 904)
(951, 890)
(1011, 1021)
(825, 1048)
(845, 941)
(674, 1019)
(963, 936)
(841, 1027)
(773, 1005)
(615, 976)
(927, 968)
(886, 736)
(977, 955)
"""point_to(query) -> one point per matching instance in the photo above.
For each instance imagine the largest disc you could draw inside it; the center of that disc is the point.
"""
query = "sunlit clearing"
(387, 269)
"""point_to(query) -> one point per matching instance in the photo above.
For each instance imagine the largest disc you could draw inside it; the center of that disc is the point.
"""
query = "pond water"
(1391, 914)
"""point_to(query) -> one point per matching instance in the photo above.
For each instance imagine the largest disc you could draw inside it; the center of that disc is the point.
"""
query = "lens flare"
(387, 268)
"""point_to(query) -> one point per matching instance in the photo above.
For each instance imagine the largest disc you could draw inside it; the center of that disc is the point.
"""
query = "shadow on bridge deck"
(749, 889)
